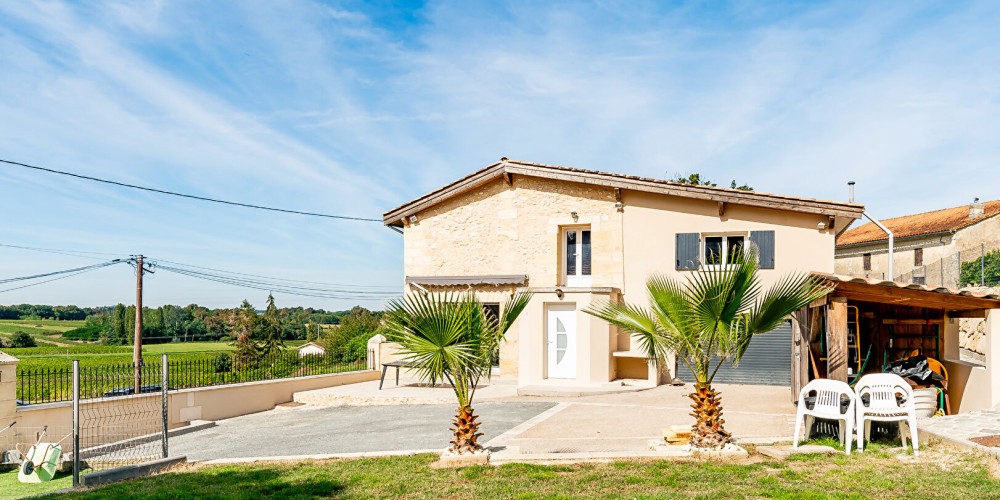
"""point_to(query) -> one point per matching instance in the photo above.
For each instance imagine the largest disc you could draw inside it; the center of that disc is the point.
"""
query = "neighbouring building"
(576, 237)
(929, 247)
(311, 349)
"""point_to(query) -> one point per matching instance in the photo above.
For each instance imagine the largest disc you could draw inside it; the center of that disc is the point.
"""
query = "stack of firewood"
(677, 434)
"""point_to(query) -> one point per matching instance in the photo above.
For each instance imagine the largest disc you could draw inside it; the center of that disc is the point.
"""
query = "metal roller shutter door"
(768, 361)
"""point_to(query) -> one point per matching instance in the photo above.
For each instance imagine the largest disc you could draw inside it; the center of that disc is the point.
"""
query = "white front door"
(560, 341)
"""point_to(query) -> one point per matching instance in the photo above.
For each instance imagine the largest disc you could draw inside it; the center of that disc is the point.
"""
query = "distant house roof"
(938, 221)
(311, 344)
(507, 168)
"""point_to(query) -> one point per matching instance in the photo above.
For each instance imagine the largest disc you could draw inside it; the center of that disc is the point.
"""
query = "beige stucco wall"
(595, 340)
(972, 387)
(498, 229)
(501, 229)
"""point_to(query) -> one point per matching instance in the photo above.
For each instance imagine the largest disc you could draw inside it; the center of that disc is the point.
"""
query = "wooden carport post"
(836, 339)
(800, 351)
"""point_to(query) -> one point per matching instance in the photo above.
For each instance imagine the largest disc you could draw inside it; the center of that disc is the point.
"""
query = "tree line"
(115, 325)
(38, 311)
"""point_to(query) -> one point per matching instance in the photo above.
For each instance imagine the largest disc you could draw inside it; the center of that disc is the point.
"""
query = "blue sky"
(354, 108)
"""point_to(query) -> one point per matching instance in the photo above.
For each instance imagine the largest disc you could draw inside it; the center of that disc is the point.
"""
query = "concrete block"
(451, 460)
(783, 452)
(129, 471)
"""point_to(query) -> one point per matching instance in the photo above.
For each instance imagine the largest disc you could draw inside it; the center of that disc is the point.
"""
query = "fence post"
(76, 423)
(164, 380)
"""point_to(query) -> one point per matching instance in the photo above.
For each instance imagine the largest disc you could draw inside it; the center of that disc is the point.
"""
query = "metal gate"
(114, 426)
(768, 361)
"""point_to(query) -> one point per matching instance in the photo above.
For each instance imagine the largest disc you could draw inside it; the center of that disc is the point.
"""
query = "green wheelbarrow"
(40, 461)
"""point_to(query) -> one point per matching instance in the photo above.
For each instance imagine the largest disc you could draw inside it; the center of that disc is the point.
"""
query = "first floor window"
(576, 249)
(867, 260)
(722, 250)
(918, 256)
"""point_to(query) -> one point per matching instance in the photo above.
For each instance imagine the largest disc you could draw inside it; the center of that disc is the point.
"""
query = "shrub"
(222, 363)
(22, 339)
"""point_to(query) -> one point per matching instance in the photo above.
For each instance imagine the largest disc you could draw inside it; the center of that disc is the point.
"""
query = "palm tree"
(710, 319)
(448, 337)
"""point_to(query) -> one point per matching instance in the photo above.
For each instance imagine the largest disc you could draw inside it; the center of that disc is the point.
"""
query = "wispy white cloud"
(355, 108)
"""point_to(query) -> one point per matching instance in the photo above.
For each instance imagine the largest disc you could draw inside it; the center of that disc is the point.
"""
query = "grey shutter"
(765, 244)
(687, 251)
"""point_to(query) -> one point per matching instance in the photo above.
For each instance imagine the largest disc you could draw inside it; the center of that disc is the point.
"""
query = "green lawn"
(941, 473)
(11, 488)
(175, 347)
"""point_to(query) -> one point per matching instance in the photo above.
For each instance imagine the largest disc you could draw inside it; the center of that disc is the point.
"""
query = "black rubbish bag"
(914, 368)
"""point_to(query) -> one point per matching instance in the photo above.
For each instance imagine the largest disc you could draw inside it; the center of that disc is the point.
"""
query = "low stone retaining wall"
(186, 405)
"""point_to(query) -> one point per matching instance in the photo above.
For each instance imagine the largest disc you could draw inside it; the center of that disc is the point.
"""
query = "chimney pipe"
(887, 231)
(976, 209)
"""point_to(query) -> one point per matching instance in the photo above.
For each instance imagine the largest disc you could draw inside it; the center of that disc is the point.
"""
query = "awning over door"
(488, 279)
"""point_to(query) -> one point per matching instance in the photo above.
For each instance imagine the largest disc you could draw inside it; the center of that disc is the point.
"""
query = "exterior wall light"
(413, 219)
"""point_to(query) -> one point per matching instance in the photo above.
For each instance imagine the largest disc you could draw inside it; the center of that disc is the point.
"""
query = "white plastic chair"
(881, 389)
(828, 394)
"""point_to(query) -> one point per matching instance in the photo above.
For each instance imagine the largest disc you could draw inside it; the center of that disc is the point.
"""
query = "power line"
(383, 287)
(71, 253)
(269, 287)
(84, 268)
(64, 276)
(194, 197)
(274, 283)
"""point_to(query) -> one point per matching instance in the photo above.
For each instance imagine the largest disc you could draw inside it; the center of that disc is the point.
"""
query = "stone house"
(929, 247)
(575, 237)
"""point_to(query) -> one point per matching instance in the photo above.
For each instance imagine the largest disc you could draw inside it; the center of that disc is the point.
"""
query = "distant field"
(45, 331)
(176, 347)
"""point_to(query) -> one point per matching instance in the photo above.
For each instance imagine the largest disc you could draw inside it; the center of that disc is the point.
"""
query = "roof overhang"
(909, 294)
(506, 169)
(885, 240)
(494, 279)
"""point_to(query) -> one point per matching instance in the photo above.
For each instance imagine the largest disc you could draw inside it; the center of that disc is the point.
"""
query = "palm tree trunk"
(466, 431)
(707, 431)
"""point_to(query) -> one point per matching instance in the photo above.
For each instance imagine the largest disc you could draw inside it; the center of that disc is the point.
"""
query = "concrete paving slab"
(310, 431)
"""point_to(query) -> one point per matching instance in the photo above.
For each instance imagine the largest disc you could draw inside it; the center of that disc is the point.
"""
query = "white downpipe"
(892, 241)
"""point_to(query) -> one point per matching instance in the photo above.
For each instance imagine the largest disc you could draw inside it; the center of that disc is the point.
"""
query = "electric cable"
(182, 195)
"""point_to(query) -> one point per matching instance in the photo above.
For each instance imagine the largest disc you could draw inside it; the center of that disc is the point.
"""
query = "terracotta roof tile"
(938, 221)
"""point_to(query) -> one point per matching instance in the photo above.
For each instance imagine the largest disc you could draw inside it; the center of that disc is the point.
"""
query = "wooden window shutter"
(688, 245)
(765, 245)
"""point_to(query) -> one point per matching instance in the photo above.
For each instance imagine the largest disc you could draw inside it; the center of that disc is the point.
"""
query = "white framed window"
(721, 249)
(576, 256)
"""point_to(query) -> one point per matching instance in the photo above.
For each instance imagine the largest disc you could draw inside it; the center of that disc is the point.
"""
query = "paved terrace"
(360, 418)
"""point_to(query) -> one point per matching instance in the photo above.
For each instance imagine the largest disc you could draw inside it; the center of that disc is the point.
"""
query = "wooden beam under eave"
(820, 302)
(973, 313)
(508, 178)
(722, 208)
(618, 194)
(836, 336)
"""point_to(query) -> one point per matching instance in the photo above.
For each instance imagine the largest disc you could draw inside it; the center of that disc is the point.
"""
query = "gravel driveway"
(314, 431)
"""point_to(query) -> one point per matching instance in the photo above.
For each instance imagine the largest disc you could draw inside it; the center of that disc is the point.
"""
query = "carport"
(863, 324)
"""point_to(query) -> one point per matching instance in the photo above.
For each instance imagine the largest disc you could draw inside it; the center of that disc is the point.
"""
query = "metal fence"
(969, 268)
(116, 428)
(51, 385)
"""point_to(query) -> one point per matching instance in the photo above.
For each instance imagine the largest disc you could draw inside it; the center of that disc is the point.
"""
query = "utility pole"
(137, 343)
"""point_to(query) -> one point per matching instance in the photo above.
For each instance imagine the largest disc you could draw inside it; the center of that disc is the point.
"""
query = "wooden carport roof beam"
(916, 298)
